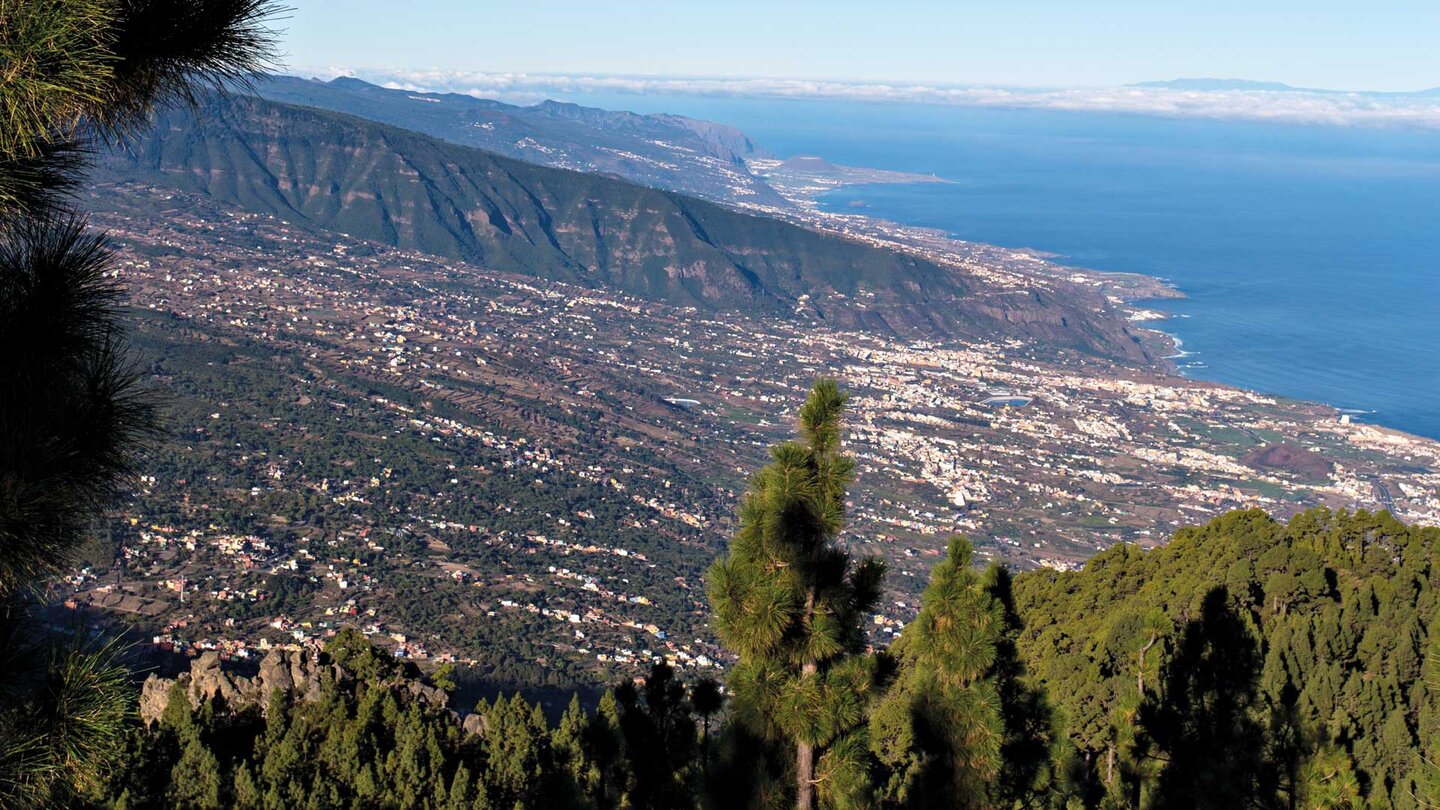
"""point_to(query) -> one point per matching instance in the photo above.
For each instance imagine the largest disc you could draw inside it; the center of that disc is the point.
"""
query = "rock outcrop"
(300, 674)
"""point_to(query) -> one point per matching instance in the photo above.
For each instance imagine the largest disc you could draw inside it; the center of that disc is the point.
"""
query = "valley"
(531, 476)
(396, 187)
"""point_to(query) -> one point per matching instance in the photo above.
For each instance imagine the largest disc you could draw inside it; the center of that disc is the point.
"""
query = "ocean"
(1310, 255)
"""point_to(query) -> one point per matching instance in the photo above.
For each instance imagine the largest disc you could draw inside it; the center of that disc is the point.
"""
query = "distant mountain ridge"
(396, 187)
(701, 158)
(1206, 84)
(1221, 85)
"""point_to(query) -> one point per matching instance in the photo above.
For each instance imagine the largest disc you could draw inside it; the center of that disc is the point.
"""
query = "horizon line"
(1214, 99)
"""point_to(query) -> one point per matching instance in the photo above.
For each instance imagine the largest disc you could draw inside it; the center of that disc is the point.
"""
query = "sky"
(1376, 45)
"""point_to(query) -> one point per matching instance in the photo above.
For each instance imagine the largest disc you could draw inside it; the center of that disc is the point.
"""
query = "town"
(505, 472)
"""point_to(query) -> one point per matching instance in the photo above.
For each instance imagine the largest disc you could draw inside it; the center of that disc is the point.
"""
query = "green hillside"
(1248, 663)
(697, 158)
(397, 187)
(1248, 659)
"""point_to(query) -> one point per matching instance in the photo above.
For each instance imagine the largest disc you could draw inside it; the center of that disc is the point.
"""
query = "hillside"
(400, 188)
(1249, 663)
(1248, 659)
(448, 451)
(695, 157)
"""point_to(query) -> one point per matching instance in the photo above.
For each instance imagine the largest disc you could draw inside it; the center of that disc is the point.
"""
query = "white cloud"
(1339, 109)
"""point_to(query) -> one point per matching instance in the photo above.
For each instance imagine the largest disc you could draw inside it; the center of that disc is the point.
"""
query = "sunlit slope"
(400, 188)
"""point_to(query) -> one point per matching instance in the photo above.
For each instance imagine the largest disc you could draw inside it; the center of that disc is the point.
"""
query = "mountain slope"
(701, 158)
(400, 188)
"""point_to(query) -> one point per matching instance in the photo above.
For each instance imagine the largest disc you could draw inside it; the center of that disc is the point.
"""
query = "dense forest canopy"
(1247, 661)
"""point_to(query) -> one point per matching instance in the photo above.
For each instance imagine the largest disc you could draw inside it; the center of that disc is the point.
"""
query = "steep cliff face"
(397, 187)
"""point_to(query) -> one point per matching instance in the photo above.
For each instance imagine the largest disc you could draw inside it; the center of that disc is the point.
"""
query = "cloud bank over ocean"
(1298, 106)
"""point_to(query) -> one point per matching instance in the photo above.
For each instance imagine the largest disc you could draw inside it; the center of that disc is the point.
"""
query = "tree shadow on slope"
(1205, 728)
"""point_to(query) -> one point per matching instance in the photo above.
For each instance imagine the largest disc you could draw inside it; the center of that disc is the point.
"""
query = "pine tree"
(707, 699)
(604, 748)
(1031, 753)
(461, 794)
(245, 791)
(789, 601)
(939, 730)
(75, 70)
(659, 739)
(567, 744)
(195, 781)
(517, 753)
(71, 415)
(1328, 782)
(1425, 767)
(55, 66)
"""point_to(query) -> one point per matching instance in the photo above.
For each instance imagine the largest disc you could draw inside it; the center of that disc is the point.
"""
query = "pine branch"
(72, 410)
(168, 51)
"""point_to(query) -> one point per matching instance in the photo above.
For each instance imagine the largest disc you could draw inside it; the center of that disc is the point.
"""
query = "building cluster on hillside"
(508, 379)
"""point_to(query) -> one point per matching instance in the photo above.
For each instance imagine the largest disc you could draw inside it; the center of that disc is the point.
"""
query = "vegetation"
(72, 414)
(1247, 663)
(366, 741)
(789, 601)
(234, 452)
(73, 71)
(936, 735)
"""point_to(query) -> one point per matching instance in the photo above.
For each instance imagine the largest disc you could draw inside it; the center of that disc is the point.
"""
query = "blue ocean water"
(1310, 255)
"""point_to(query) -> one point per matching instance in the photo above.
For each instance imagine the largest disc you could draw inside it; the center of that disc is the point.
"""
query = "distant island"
(1223, 84)
(1208, 85)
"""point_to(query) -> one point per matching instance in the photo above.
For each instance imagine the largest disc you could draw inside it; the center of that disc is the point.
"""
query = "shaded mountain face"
(700, 158)
(400, 188)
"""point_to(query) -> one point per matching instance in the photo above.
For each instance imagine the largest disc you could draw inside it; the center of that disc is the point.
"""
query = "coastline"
(1003, 267)
(815, 175)
(1128, 292)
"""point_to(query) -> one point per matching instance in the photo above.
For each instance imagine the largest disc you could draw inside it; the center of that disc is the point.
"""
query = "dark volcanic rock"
(1291, 458)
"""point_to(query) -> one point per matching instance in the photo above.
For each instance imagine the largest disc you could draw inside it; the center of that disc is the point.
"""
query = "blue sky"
(1379, 45)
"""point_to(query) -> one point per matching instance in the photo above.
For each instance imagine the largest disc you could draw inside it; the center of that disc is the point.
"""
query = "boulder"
(429, 694)
(275, 673)
(474, 724)
(153, 696)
